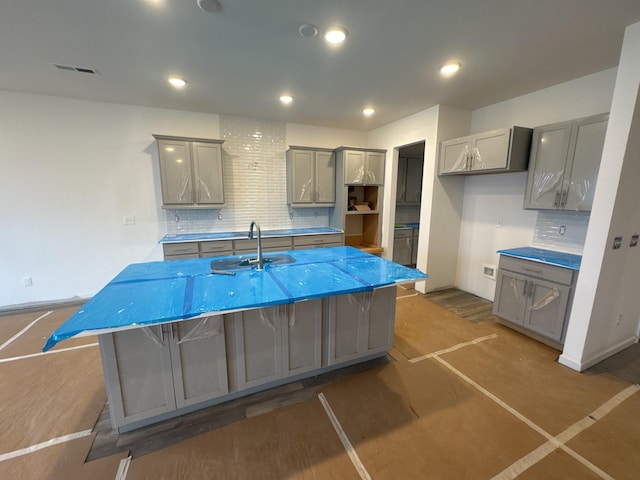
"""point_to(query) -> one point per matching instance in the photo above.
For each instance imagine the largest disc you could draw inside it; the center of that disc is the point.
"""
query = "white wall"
(494, 200)
(323, 137)
(606, 308)
(71, 170)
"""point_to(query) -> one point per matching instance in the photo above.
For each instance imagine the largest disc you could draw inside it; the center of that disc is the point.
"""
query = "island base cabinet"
(272, 343)
(155, 370)
(360, 324)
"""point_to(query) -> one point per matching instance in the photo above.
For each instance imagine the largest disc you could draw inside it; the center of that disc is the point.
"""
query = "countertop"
(159, 292)
(284, 232)
(551, 257)
(400, 226)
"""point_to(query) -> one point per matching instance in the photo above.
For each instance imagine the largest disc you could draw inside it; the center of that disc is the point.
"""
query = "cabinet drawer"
(180, 248)
(317, 239)
(181, 256)
(283, 243)
(216, 246)
(537, 269)
(403, 233)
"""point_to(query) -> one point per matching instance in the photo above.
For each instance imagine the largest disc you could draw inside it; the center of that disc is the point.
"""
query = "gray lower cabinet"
(155, 370)
(360, 324)
(403, 246)
(268, 344)
(303, 242)
(534, 296)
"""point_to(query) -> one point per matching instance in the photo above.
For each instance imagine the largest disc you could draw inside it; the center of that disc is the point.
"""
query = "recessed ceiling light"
(286, 99)
(211, 6)
(177, 82)
(308, 31)
(450, 68)
(335, 35)
(367, 112)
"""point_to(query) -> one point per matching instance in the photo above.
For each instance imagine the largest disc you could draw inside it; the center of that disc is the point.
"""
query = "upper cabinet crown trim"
(186, 139)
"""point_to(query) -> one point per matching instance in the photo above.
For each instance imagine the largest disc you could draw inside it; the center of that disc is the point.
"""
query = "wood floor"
(458, 397)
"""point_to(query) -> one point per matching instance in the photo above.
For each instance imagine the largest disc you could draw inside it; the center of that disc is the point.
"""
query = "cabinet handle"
(557, 201)
(534, 270)
(524, 289)
(162, 333)
(565, 195)
(530, 289)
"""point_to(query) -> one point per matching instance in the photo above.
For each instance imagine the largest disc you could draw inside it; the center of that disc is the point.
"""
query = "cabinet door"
(375, 168)
(302, 337)
(490, 150)
(546, 308)
(549, 149)
(258, 345)
(585, 152)
(455, 155)
(207, 162)
(414, 180)
(401, 186)
(402, 246)
(354, 167)
(198, 360)
(510, 297)
(301, 182)
(325, 178)
(414, 248)
(137, 368)
(175, 172)
(346, 322)
(381, 320)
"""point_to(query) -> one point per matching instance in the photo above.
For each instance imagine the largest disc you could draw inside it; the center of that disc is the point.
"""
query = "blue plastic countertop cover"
(285, 232)
(551, 257)
(159, 292)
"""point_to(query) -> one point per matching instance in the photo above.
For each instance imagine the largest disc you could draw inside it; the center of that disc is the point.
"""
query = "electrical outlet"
(617, 243)
(634, 240)
(562, 229)
(27, 281)
(618, 319)
(220, 216)
(130, 220)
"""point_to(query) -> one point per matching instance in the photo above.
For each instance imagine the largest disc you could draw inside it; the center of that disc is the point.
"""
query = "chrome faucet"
(260, 259)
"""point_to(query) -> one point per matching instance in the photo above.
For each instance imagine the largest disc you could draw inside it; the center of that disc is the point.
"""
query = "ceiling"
(239, 61)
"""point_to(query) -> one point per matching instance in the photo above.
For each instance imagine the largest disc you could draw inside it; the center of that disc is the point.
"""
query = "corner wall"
(606, 307)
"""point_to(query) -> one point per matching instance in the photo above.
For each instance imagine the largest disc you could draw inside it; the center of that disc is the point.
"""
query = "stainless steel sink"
(240, 263)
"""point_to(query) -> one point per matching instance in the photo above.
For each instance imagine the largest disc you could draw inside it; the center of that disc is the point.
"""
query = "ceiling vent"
(70, 68)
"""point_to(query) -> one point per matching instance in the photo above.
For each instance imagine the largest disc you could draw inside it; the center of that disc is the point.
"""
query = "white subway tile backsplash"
(547, 233)
(254, 183)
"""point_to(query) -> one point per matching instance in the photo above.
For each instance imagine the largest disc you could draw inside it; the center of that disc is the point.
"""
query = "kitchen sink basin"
(240, 263)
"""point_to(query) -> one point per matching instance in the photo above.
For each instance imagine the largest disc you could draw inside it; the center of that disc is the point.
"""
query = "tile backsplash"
(548, 231)
(254, 163)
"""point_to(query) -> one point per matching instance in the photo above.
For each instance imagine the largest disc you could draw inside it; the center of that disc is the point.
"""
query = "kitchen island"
(176, 338)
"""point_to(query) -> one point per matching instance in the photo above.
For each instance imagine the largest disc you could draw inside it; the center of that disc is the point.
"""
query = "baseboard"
(37, 306)
(609, 352)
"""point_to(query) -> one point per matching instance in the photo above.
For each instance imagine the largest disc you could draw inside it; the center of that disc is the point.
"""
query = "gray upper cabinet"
(311, 177)
(363, 166)
(503, 150)
(190, 172)
(409, 186)
(565, 159)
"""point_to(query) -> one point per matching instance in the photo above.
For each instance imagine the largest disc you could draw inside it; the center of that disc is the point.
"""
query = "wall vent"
(70, 68)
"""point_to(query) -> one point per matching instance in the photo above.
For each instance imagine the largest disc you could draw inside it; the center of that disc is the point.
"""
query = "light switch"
(634, 240)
